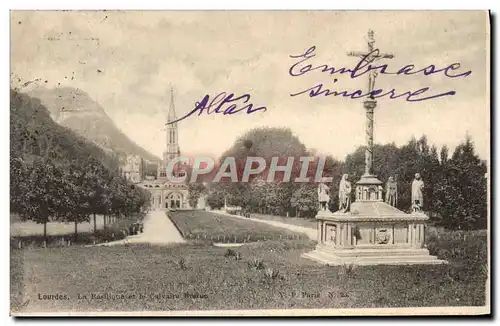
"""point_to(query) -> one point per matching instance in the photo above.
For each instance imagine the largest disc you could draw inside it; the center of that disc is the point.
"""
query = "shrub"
(230, 253)
(271, 274)
(182, 263)
(256, 264)
(347, 271)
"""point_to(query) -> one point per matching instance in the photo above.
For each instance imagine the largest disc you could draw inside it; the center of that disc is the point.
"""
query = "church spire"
(172, 148)
(171, 111)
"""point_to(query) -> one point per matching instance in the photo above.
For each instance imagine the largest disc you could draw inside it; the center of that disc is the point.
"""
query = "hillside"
(75, 109)
(34, 134)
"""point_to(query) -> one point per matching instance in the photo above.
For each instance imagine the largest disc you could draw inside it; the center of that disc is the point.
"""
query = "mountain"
(76, 110)
(33, 133)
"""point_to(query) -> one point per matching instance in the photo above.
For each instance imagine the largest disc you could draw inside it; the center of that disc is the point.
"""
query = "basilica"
(165, 194)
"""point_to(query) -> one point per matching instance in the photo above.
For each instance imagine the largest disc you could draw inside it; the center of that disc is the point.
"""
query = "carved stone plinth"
(372, 233)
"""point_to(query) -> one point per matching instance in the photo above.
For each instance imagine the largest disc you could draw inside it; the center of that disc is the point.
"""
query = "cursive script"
(376, 93)
(223, 103)
(365, 66)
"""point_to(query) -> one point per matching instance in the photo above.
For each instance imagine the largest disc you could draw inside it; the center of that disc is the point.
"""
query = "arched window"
(174, 200)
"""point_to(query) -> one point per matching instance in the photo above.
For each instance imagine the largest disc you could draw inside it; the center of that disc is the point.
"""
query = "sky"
(128, 61)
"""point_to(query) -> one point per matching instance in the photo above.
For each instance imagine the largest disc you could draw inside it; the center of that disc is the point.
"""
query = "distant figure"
(391, 192)
(417, 195)
(323, 196)
(345, 194)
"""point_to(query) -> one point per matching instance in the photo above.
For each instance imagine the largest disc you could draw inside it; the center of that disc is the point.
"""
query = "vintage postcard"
(249, 163)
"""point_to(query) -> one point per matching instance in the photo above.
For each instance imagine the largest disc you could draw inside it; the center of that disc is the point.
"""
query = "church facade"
(165, 194)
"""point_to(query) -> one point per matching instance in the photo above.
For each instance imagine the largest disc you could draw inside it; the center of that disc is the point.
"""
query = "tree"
(265, 143)
(94, 183)
(463, 190)
(443, 156)
(78, 196)
(18, 183)
(118, 199)
(435, 174)
(305, 200)
(196, 190)
(41, 200)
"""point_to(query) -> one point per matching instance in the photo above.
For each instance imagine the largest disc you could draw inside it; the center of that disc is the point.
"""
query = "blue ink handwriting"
(364, 66)
(216, 104)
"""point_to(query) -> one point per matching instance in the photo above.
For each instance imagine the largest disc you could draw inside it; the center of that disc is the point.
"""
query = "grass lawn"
(299, 221)
(268, 275)
(197, 276)
(221, 228)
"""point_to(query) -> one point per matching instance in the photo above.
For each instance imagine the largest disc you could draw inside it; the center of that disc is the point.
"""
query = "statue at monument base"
(417, 195)
(345, 194)
(391, 192)
(323, 196)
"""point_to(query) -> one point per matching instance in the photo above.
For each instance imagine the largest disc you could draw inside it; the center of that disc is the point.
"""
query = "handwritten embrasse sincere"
(229, 104)
(365, 66)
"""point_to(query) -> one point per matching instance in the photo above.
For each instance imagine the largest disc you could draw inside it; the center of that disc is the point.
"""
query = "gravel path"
(158, 229)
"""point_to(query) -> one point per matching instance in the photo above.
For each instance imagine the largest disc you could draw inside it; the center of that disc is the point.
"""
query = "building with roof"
(169, 194)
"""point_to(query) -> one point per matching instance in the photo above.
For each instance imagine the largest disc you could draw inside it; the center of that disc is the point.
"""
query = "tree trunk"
(45, 230)
(95, 224)
(76, 229)
(104, 218)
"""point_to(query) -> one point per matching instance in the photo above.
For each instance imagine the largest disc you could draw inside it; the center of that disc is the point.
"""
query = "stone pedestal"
(372, 233)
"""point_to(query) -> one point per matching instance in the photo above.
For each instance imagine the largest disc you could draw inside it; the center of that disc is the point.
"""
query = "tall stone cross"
(371, 103)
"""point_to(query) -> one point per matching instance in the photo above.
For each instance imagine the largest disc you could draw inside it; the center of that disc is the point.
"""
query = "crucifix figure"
(370, 104)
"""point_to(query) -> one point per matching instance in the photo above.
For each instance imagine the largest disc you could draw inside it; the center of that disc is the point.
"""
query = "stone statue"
(323, 196)
(391, 192)
(345, 194)
(417, 195)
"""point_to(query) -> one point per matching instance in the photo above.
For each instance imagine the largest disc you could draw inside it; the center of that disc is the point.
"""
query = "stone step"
(372, 252)
(326, 258)
(376, 253)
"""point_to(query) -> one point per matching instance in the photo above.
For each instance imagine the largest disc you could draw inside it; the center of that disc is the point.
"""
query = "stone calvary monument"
(370, 231)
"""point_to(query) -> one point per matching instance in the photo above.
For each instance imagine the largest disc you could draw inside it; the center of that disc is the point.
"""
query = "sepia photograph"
(249, 163)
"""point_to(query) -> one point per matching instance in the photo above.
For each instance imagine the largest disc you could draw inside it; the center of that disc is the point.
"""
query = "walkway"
(158, 229)
(311, 233)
